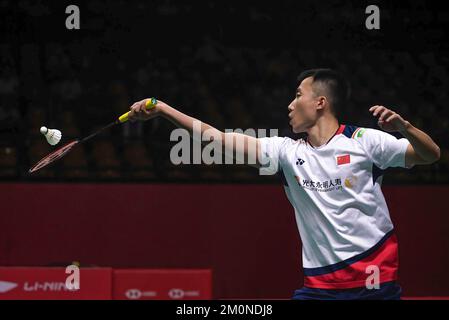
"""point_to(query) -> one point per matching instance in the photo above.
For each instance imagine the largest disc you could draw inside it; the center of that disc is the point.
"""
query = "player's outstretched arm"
(422, 149)
(240, 145)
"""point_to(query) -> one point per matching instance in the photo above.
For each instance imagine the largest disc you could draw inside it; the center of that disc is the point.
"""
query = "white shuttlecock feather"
(53, 136)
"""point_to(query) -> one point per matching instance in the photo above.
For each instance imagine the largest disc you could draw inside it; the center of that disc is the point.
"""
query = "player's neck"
(324, 129)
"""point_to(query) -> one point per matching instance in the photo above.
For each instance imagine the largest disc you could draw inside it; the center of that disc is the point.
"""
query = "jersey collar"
(340, 130)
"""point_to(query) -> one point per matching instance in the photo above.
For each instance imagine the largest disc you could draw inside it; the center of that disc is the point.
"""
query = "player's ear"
(321, 102)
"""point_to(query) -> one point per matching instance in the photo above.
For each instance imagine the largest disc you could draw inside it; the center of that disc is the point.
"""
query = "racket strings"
(52, 157)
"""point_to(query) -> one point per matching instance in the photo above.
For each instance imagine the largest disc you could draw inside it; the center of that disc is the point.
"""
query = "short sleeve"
(384, 149)
(270, 153)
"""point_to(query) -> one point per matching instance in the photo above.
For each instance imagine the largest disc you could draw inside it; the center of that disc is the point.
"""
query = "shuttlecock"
(53, 136)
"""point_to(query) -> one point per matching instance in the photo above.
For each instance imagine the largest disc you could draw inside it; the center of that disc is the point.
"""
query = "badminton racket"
(62, 151)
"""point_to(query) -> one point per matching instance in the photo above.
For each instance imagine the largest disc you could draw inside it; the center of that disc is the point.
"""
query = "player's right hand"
(138, 111)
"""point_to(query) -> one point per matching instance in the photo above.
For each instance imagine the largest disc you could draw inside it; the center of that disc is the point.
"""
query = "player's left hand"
(389, 120)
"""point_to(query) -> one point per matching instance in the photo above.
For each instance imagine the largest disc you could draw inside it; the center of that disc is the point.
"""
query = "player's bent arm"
(422, 149)
(238, 145)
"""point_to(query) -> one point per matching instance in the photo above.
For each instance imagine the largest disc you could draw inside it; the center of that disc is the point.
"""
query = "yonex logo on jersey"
(300, 161)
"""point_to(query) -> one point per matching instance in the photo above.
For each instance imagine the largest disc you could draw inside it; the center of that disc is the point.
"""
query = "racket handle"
(149, 104)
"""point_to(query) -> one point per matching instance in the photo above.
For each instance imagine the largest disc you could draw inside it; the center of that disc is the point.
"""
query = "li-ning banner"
(33, 283)
(30, 283)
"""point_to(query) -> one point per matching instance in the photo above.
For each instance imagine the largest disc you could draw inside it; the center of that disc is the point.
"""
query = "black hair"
(337, 87)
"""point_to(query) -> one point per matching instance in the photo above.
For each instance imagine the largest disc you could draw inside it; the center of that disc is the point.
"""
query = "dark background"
(232, 64)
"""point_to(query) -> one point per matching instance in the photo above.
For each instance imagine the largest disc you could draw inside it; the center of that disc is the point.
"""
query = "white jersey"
(341, 213)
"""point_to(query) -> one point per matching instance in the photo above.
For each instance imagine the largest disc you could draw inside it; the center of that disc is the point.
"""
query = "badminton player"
(332, 178)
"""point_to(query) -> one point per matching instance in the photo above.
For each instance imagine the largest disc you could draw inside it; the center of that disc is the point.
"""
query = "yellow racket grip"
(149, 104)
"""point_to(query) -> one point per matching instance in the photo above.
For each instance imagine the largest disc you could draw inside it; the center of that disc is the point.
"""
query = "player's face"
(303, 109)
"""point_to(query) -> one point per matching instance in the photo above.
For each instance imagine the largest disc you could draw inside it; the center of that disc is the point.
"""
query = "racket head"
(52, 157)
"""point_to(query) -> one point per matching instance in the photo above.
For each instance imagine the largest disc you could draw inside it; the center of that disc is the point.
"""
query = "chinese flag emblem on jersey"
(346, 158)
